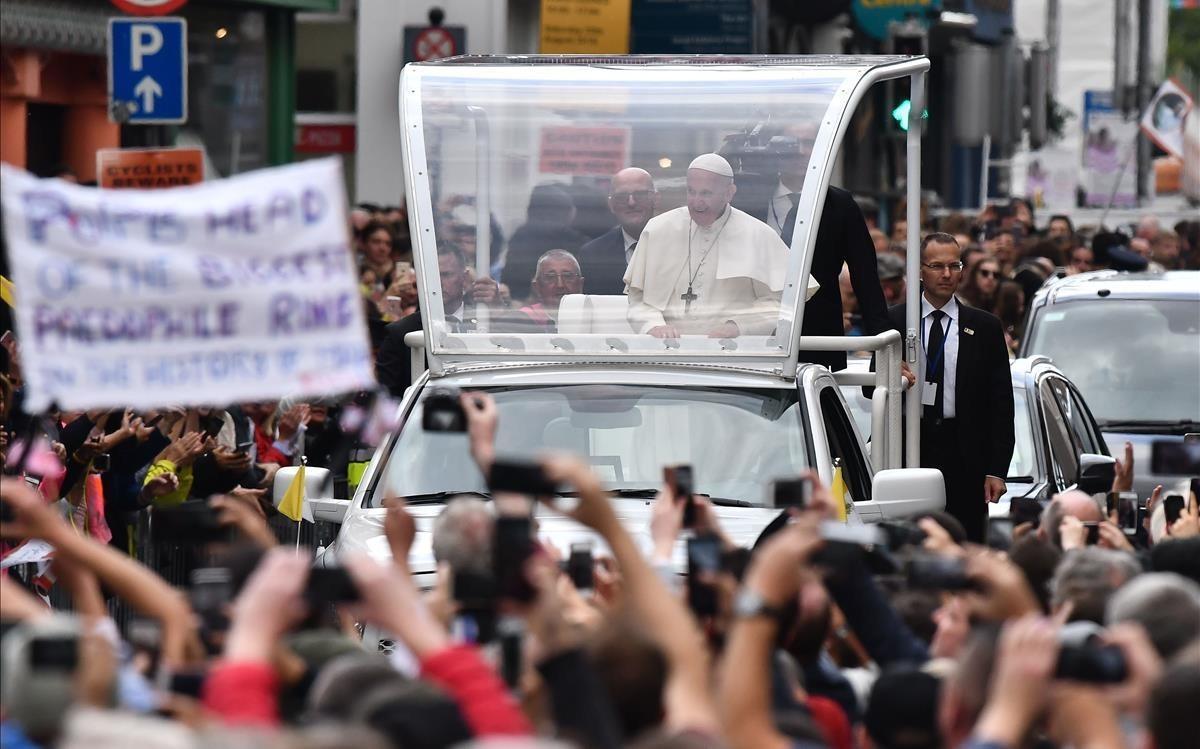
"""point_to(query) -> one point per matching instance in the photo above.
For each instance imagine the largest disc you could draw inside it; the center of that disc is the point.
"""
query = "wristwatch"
(749, 604)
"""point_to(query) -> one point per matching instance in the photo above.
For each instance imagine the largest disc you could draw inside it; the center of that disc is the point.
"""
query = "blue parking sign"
(147, 70)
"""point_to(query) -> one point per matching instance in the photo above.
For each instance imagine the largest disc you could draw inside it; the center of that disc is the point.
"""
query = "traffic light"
(911, 38)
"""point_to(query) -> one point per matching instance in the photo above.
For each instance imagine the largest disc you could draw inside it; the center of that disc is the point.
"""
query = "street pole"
(1142, 96)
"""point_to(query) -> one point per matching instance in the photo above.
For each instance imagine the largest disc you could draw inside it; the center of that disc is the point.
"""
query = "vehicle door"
(1065, 431)
(843, 444)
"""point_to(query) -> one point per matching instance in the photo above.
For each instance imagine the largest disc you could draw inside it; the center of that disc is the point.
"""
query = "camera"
(900, 534)
(101, 463)
(683, 487)
(443, 411)
(1093, 533)
(330, 585)
(581, 567)
(211, 590)
(1092, 663)
(190, 523)
(928, 572)
(791, 493)
(1025, 510)
(521, 477)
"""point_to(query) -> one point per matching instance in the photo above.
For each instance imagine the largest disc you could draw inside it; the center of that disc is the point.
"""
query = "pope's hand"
(725, 330)
(664, 331)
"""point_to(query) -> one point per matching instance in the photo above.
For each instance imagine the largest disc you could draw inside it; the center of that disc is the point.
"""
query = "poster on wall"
(1109, 160)
(241, 289)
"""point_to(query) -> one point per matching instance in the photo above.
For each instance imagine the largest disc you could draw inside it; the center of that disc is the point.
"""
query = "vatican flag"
(838, 489)
(293, 505)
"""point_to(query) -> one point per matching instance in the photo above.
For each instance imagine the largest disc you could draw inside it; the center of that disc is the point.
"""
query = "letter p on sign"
(145, 40)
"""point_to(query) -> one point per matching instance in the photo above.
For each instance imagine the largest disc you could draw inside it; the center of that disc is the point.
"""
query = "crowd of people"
(1077, 635)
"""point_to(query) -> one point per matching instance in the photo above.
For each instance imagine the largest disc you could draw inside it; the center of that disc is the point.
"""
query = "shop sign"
(324, 138)
(149, 168)
(149, 7)
(702, 27)
(874, 16)
(586, 27)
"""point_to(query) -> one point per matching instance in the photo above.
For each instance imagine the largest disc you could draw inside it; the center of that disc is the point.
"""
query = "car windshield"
(1133, 359)
(737, 440)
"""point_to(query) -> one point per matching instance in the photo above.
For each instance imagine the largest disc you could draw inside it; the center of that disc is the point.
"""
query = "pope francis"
(707, 268)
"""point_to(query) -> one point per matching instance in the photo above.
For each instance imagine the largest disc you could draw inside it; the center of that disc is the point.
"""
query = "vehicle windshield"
(568, 182)
(1133, 359)
(737, 441)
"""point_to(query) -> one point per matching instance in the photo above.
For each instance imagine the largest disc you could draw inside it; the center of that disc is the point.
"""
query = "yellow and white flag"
(292, 505)
(837, 488)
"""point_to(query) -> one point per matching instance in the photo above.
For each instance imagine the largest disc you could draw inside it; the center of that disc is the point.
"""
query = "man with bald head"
(632, 200)
(707, 268)
(1070, 504)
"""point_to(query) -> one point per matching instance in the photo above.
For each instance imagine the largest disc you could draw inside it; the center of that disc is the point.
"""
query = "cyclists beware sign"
(422, 43)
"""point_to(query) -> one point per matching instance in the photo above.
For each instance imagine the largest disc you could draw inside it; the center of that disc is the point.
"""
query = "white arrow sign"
(147, 89)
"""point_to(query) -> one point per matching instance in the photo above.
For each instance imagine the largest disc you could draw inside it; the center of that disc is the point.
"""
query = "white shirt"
(630, 241)
(778, 209)
(950, 355)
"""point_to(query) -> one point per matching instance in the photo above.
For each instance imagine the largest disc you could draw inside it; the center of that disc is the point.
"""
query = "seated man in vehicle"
(707, 268)
(556, 276)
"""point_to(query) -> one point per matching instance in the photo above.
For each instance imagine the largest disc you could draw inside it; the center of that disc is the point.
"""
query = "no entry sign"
(149, 7)
(422, 43)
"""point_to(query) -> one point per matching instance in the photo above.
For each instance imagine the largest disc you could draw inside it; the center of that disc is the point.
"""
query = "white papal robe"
(738, 271)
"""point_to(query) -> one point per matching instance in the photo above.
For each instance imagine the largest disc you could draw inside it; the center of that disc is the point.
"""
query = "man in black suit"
(393, 362)
(967, 399)
(842, 238)
(633, 200)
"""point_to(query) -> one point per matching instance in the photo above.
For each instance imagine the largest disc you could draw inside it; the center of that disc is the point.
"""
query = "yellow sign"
(585, 27)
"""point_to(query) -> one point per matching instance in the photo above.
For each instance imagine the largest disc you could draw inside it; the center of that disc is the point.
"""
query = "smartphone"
(512, 545)
(929, 572)
(1171, 458)
(581, 567)
(510, 631)
(153, 422)
(101, 463)
(683, 487)
(1093, 533)
(791, 493)
(474, 592)
(1025, 510)
(330, 585)
(192, 522)
(54, 653)
(521, 477)
(1096, 664)
(212, 425)
(243, 448)
(855, 535)
(704, 561)
(1124, 505)
(1173, 507)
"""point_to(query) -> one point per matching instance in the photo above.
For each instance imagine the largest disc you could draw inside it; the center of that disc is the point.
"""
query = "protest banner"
(236, 290)
(1163, 120)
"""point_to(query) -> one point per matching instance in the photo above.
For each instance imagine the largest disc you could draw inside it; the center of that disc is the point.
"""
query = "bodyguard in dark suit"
(967, 400)
(393, 362)
(842, 237)
(633, 201)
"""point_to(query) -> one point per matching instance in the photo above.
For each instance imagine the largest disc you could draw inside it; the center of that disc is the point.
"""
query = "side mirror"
(316, 480)
(907, 492)
(1096, 473)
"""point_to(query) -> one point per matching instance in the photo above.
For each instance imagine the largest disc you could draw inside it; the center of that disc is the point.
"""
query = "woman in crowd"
(981, 283)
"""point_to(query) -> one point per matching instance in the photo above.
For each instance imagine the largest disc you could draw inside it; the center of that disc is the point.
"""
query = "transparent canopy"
(566, 180)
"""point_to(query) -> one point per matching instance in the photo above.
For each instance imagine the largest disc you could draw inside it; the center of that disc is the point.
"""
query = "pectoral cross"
(688, 297)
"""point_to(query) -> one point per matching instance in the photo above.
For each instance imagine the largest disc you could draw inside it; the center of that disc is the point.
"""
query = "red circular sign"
(433, 43)
(149, 7)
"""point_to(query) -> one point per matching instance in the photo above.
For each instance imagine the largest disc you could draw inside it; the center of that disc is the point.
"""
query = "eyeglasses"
(989, 273)
(638, 195)
(943, 267)
(558, 277)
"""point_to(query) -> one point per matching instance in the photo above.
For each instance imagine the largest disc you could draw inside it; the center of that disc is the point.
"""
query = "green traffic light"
(900, 113)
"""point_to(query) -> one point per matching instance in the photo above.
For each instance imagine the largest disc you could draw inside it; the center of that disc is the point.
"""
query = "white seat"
(594, 313)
